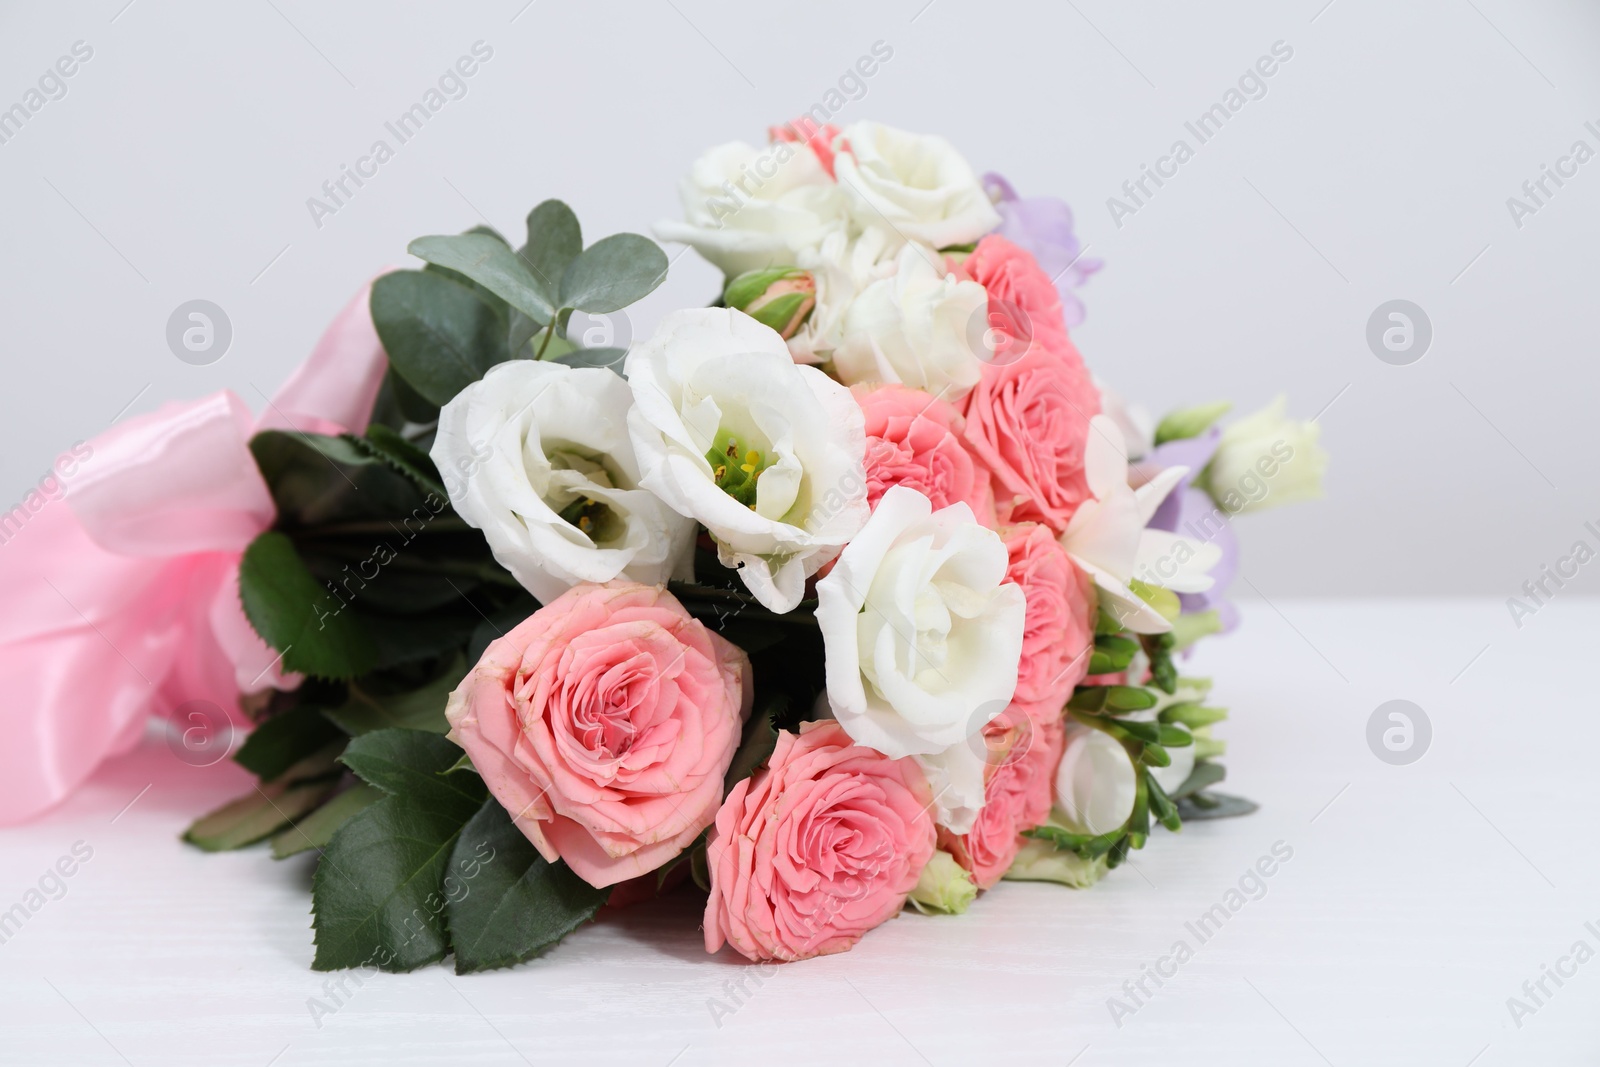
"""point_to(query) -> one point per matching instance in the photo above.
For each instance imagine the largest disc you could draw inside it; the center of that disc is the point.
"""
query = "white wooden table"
(1418, 899)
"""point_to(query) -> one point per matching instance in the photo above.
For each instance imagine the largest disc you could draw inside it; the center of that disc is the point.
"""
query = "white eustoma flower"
(1107, 535)
(764, 452)
(916, 186)
(919, 326)
(746, 207)
(922, 635)
(538, 457)
(1266, 459)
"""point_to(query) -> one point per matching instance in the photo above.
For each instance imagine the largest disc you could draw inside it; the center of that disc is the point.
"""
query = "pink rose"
(1058, 625)
(604, 724)
(1028, 421)
(824, 844)
(914, 439)
(804, 130)
(1024, 306)
(1016, 795)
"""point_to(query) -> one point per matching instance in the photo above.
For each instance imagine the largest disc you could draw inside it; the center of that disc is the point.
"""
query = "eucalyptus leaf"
(440, 335)
(1214, 806)
(491, 264)
(554, 240)
(610, 359)
(613, 273)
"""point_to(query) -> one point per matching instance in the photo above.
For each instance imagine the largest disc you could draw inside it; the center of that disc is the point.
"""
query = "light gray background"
(1377, 166)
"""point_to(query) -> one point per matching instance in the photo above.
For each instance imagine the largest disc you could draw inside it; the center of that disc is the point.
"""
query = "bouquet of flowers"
(851, 591)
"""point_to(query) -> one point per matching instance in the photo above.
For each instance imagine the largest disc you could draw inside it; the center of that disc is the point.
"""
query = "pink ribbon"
(123, 601)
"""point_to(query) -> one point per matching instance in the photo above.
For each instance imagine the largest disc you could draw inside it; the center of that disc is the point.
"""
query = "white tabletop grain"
(1417, 902)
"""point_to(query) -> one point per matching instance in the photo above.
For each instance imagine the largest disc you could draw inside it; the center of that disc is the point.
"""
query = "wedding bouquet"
(851, 591)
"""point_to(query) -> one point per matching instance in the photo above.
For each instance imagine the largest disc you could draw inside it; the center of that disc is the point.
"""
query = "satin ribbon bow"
(122, 601)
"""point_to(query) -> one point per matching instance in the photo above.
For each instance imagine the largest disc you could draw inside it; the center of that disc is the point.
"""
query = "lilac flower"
(1043, 226)
(1192, 513)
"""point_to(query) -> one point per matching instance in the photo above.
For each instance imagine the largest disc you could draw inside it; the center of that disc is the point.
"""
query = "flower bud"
(1041, 861)
(1266, 459)
(781, 297)
(945, 888)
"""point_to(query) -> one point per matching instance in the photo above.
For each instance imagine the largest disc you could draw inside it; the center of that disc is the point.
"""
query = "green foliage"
(509, 904)
(378, 897)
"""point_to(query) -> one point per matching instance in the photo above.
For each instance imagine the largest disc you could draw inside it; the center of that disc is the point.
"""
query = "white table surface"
(1418, 899)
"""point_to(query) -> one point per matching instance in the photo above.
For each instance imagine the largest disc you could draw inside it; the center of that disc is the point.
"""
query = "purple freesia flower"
(1042, 225)
(1190, 512)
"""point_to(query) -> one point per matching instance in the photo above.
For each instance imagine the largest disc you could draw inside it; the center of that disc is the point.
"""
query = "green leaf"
(1215, 806)
(414, 407)
(257, 815)
(1204, 775)
(316, 479)
(415, 763)
(377, 899)
(440, 336)
(1162, 807)
(418, 709)
(507, 903)
(295, 614)
(554, 240)
(493, 265)
(1194, 716)
(1190, 422)
(757, 744)
(613, 273)
(317, 829)
(610, 359)
(386, 444)
(285, 740)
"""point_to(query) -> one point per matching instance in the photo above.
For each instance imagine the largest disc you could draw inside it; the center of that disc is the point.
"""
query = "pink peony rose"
(1016, 795)
(1024, 306)
(824, 844)
(1028, 421)
(604, 724)
(1058, 627)
(914, 439)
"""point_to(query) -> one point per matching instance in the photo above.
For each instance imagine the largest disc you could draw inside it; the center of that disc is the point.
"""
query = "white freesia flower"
(919, 326)
(1134, 420)
(922, 636)
(746, 207)
(537, 456)
(1095, 782)
(1107, 535)
(914, 185)
(766, 453)
(1266, 459)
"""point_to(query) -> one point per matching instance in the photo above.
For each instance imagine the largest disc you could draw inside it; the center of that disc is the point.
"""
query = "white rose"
(537, 456)
(786, 489)
(746, 208)
(915, 185)
(922, 635)
(919, 326)
(1266, 459)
